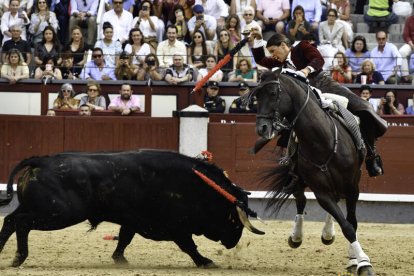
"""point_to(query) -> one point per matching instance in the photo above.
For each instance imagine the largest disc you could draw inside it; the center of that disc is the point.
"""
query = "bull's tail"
(30, 162)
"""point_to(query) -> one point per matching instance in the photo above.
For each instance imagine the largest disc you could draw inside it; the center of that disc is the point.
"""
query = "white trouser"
(405, 52)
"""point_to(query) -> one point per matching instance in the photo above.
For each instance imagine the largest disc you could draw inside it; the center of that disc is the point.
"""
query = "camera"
(246, 32)
(150, 62)
(200, 17)
(144, 8)
(387, 100)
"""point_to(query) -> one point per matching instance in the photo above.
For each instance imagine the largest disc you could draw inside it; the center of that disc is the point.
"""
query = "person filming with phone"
(150, 70)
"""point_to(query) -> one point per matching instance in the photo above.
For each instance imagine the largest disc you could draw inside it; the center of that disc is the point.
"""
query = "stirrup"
(284, 161)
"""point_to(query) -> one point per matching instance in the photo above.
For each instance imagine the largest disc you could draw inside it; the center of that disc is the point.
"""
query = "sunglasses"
(117, 3)
(248, 14)
(97, 56)
(66, 91)
(213, 88)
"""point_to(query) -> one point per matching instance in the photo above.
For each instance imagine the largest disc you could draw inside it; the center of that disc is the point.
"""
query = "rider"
(306, 60)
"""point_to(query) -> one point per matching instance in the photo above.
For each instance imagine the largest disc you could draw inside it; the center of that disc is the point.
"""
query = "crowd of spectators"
(181, 41)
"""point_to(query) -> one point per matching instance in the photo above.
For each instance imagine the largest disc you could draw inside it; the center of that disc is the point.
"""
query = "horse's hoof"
(294, 244)
(327, 242)
(352, 270)
(366, 271)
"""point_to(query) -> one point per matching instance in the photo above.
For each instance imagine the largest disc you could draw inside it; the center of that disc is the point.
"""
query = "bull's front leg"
(186, 244)
(125, 237)
(23, 227)
(9, 227)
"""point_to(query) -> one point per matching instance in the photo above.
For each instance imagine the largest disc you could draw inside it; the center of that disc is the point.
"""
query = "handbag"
(401, 8)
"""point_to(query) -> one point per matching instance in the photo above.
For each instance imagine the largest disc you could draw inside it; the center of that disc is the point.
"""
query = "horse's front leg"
(296, 237)
(328, 231)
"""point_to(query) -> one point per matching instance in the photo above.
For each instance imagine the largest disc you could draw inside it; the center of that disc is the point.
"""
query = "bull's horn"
(245, 220)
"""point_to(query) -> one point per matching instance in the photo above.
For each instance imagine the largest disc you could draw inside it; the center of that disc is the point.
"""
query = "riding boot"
(373, 160)
(292, 185)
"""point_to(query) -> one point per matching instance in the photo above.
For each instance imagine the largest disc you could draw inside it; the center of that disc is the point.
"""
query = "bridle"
(278, 122)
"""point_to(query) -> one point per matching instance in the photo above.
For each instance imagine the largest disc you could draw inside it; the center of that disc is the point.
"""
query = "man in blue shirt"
(97, 68)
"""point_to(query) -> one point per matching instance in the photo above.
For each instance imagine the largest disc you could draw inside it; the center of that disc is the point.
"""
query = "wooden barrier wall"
(25, 136)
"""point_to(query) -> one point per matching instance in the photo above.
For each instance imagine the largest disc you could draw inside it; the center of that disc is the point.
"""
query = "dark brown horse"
(328, 162)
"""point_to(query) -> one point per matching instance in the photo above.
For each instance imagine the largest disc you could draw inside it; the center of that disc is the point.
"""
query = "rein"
(281, 124)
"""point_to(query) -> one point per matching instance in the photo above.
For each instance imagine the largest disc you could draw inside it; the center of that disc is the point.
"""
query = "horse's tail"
(276, 178)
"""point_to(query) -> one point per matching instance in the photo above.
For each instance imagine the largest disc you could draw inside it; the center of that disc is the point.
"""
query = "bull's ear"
(277, 72)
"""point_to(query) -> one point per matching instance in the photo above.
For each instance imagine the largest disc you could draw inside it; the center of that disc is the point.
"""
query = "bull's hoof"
(366, 271)
(205, 263)
(294, 244)
(17, 262)
(327, 242)
(119, 259)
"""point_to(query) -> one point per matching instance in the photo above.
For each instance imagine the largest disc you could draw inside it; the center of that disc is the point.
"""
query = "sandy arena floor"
(74, 251)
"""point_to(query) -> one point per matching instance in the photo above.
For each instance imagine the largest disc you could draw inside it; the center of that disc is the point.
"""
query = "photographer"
(390, 105)
(124, 69)
(150, 69)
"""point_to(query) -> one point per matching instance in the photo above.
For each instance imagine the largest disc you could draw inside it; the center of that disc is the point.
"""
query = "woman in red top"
(341, 71)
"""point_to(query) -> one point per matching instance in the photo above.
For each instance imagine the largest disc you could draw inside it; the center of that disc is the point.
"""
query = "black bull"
(153, 193)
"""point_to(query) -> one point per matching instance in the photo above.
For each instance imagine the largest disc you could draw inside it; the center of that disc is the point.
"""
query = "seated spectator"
(356, 54)
(410, 109)
(365, 92)
(169, 47)
(244, 71)
(379, 15)
(212, 102)
(48, 46)
(48, 71)
(389, 105)
(124, 69)
(344, 16)
(69, 71)
(222, 48)
(136, 47)
(24, 5)
(215, 8)
(150, 69)
(407, 49)
(210, 64)
(179, 72)
(331, 31)
(248, 23)
(244, 104)
(97, 69)
(15, 68)
(298, 26)
(313, 12)
(125, 103)
(368, 70)
(120, 17)
(77, 47)
(203, 22)
(237, 7)
(94, 101)
(234, 27)
(13, 17)
(197, 51)
(149, 24)
(111, 48)
(17, 42)
(65, 98)
(273, 19)
(40, 19)
(84, 110)
(178, 20)
(386, 58)
(83, 13)
(341, 71)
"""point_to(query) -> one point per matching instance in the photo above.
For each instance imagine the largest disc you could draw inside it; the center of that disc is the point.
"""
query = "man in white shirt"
(217, 9)
(167, 48)
(205, 23)
(120, 19)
